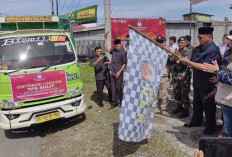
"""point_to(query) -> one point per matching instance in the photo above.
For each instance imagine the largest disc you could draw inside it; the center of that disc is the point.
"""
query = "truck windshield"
(35, 51)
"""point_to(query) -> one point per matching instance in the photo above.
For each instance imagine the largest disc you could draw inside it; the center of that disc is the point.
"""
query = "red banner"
(39, 85)
(152, 27)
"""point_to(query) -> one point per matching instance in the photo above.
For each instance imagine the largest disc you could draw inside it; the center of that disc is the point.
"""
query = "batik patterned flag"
(145, 67)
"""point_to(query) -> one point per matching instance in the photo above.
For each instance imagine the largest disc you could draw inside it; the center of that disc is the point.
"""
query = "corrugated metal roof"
(178, 21)
(90, 28)
(77, 27)
(198, 13)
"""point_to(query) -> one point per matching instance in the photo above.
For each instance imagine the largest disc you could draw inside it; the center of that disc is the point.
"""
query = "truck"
(40, 77)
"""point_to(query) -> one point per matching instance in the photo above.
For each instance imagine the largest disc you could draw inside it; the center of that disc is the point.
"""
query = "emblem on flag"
(147, 71)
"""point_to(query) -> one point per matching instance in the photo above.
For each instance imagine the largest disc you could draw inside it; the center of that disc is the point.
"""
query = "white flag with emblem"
(145, 66)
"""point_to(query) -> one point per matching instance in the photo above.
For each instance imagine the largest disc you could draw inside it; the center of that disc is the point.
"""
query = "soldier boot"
(177, 110)
(184, 113)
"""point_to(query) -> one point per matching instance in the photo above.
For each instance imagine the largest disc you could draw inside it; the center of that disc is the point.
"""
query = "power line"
(52, 7)
(57, 7)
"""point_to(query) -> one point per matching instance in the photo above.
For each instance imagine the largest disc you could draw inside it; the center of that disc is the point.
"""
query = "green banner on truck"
(85, 15)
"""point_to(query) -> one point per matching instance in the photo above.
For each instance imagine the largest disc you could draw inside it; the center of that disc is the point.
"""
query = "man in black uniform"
(100, 63)
(117, 66)
(203, 88)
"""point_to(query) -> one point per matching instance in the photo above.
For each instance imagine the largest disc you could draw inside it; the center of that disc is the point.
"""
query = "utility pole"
(190, 19)
(57, 7)
(52, 8)
(108, 24)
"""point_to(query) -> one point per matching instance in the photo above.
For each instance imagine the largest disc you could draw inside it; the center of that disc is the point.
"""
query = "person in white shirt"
(126, 44)
(173, 47)
(224, 45)
(172, 44)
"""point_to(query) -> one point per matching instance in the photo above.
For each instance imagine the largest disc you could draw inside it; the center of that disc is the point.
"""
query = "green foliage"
(89, 63)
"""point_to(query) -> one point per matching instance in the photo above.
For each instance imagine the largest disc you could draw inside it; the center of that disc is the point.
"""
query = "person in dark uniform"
(204, 98)
(100, 63)
(118, 64)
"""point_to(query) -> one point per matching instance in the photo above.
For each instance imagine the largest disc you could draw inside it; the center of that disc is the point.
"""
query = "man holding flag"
(203, 99)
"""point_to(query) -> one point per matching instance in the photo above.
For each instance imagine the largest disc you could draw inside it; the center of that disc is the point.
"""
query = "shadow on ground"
(172, 105)
(191, 136)
(94, 97)
(46, 128)
(122, 148)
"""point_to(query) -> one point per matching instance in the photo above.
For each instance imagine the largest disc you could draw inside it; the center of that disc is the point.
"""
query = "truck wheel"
(8, 133)
(83, 116)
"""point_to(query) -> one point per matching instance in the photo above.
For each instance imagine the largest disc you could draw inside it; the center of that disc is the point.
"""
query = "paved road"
(182, 138)
(24, 143)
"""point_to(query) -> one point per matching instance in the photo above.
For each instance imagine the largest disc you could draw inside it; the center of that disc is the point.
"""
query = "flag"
(145, 66)
(196, 1)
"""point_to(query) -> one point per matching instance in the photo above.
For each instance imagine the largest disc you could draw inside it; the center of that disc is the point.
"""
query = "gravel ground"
(95, 133)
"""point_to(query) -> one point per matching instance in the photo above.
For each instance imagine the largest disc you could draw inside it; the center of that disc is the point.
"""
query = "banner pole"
(153, 41)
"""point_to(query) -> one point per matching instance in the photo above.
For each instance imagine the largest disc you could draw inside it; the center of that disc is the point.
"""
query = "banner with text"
(85, 15)
(151, 27)
(33, 86)
(145, 67)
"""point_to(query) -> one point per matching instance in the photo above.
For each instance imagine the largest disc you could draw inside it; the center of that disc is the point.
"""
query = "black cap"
(181, 39)
(117, 41)
(230, 33)
(225, 35)
(188, 37)
(205, 30)
(160, 39)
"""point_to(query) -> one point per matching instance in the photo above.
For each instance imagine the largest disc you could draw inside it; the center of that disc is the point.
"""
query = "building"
(199, 17)
(88, 38)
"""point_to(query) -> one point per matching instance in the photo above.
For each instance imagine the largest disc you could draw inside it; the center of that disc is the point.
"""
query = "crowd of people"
(209, 64)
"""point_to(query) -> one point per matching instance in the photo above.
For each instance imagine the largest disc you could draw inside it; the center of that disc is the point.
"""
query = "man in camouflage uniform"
(181, 80)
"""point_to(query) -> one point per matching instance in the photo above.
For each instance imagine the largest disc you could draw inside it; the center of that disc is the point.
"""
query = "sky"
(167, 9)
